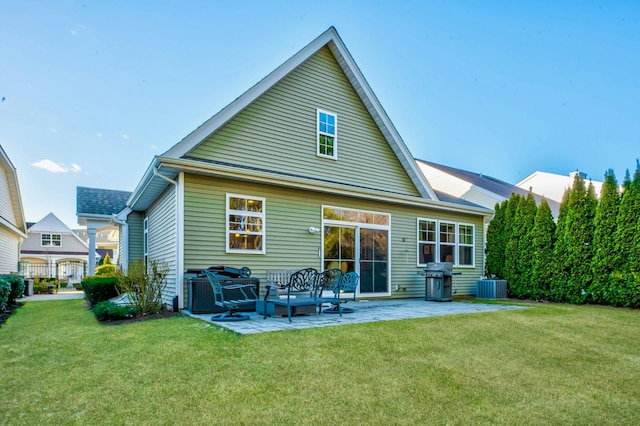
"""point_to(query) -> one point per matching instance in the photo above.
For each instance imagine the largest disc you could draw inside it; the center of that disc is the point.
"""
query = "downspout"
(179, 283)
(124, 255)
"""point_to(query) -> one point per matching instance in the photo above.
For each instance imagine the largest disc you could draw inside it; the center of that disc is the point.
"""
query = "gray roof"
(491, 184)
(96, 201)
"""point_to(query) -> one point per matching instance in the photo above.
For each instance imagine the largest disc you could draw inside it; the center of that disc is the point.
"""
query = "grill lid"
(439, 267)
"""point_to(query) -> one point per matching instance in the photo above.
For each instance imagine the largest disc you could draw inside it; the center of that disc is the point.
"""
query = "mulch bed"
(165, 313)
(4, 315)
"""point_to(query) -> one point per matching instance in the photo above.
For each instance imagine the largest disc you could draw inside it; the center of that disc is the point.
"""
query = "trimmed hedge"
(5, 291)
(11, 288)
(109, 311)
(100, 289)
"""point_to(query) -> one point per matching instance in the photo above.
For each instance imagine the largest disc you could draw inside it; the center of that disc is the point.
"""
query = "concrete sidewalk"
(66, 295)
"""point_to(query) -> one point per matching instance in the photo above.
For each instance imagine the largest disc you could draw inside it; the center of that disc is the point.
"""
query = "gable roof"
(331, 39)
(490, 184)
(51, 224)
(20, 226)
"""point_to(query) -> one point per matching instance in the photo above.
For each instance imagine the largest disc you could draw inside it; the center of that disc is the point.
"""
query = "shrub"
(144, 285)
(5, 291)
(109, 311)
(40, 284)
(106, 269)
(100, 289)
(17, 287)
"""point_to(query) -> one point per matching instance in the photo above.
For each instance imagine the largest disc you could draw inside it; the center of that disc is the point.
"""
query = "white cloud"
(53, 167)
(99, 135)
(73, 32)
(125, 136)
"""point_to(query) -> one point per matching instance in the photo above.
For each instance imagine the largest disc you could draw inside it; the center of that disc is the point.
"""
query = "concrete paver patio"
(364, 311)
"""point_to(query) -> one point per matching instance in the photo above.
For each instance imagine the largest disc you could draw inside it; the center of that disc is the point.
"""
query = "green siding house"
(304, 169)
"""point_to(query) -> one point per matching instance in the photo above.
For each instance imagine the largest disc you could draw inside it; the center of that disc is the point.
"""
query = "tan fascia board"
(331, 39)
(14, 191)
(257, 176)
(12, 228)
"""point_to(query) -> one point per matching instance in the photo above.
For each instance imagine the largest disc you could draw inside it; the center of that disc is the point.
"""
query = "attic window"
(48, 240)
(327, 134)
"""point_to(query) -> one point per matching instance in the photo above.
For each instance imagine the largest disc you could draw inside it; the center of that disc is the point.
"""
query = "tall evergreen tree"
(495, 237)
(523, 227)
(511, 242)
(605, 225)
(542, 241)
(581, 210)
(627, 222)
(561, 269)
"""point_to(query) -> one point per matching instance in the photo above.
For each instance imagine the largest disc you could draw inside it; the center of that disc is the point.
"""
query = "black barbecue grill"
(201, 297)
(438, 281)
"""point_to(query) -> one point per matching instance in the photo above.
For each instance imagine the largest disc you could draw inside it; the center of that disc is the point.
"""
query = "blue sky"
(91, 90)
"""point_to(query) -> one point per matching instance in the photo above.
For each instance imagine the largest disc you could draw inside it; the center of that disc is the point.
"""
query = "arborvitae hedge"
(591, 254)
(604, 246)
(542, 241)
(495, 242)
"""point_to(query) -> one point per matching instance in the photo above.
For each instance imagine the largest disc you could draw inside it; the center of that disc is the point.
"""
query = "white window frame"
(49, 240)
(262, 233)
(438, 243)
(321, 133)
(461, 244)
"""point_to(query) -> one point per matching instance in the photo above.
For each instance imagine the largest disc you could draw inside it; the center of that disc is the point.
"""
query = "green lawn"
(553, 364)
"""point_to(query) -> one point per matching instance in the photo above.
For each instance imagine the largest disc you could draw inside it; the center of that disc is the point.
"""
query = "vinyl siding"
(8, 251)
(289, 214)
(136, 249)
(277, 132)
(6, 207)
(162, 238)
(68, 244)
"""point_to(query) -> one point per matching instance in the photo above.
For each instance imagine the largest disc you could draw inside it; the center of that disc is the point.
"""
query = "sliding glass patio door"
(358, 241)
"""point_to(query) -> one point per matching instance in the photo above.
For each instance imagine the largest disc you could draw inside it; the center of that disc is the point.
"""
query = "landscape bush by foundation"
(109, 311)
(100, 289)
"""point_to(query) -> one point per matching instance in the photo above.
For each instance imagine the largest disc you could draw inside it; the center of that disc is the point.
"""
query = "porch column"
(92, 249)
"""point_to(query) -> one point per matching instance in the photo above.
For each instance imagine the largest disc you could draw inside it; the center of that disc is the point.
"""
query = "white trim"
(456, 245)
(357, 226)
(51, 234)
(262, 215)
(333, 135)
(180, 240)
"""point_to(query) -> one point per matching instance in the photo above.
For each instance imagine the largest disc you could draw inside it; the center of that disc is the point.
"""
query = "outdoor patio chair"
(301, 291)
(231, 297)
(348, 283)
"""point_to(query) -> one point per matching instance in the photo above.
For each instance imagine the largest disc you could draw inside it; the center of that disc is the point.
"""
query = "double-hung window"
(327, 134)
(445, 241)
(49, 240)
(245, 224)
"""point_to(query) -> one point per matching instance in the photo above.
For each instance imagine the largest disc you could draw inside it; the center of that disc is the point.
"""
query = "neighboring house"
(305, 169)
(553, 186)
(13, 228)
(474, 187)
(95, 209)
(52, 249)
(107, 240)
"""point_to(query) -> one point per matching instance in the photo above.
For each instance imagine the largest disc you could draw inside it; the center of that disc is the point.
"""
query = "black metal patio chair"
(231, 297)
